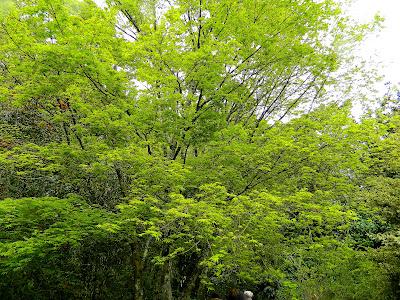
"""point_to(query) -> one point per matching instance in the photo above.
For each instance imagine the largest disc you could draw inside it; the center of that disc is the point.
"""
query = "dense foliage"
(171, 149)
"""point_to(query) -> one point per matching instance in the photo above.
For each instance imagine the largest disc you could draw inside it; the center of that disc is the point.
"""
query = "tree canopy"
(175, 149)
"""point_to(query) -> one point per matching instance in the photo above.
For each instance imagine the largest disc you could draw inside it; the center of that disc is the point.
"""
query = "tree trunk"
(167, 284)
(138, 267)
(190, 285)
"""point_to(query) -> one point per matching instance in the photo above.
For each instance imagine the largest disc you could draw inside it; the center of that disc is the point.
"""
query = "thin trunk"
(167, 284)
(74, 130)
(137, 262)
(185, 154)
(176, 153)
(66, 133)
(189, 287)
(120, 180)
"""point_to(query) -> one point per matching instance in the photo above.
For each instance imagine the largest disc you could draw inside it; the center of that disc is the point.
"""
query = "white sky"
(385, 46)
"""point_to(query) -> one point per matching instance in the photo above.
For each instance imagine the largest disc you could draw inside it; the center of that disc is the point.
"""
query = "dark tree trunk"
(167, 281)
(138, 291)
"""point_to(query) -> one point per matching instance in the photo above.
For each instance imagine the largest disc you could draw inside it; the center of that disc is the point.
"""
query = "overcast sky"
(385, 46)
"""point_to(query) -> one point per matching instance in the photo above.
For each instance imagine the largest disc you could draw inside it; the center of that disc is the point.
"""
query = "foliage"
(167, 150)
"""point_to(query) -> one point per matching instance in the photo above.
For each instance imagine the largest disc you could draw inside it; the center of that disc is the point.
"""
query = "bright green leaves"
(206, 64)
(60, 64)
(170, 117)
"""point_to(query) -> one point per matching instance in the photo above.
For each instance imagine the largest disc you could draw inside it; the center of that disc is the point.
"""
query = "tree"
(165, 120)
